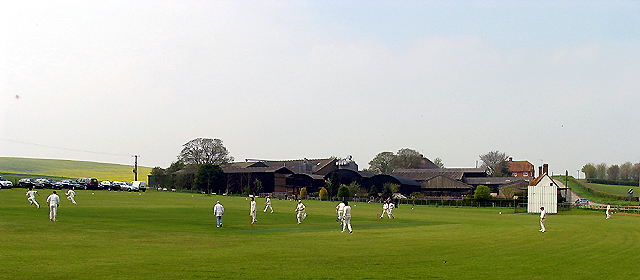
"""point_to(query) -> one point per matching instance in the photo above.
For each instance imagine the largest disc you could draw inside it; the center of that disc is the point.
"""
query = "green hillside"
(13, 168)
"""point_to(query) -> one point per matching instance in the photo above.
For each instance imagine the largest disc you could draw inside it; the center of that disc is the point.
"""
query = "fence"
(615, 208)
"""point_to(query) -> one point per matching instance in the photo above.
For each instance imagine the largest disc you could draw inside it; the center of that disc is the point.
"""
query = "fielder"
(53, 200)
(253, 211)
(347, 217)
(268, 205)
(340, 211)
(608, 210)
(390, 210)
(543, 218)
(70, 195)
(301, 212)
(32, 197)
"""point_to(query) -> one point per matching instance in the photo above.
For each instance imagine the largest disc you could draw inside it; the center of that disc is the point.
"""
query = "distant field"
(16, 168)
(121, 235)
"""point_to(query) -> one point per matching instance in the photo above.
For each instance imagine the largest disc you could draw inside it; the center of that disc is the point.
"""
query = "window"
(526, 174)
(514, 174)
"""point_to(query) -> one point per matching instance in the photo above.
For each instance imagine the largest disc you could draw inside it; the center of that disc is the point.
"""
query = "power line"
(62, 148)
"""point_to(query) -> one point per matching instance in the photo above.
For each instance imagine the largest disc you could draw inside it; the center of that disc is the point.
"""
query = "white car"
(124, 186)
(5, 184)
(141, 185)
(105, 185)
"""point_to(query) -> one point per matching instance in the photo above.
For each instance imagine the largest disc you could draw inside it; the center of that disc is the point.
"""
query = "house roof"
(519, 166)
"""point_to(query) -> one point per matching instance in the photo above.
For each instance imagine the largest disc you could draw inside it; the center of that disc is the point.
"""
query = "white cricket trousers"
(32, 200)
(347, 223)
(53, 212)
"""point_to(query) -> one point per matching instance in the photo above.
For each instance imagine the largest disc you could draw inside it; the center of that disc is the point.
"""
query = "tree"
(589, 171)
(373, 192)
(407, 158)
(613, 172)
(482, 193)
(303, 192)
(635, 172)
(491, 160)
(382, 163)
(601, 171)
(333, 184)
(388, 189)
(438, 162)
(160, 176)
(204, 150)
(323, 193)
(210, 178)
(355, 189)
(344, 193)
(625, 170)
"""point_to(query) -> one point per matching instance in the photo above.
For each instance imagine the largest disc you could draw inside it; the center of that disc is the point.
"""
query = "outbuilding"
(542, 192)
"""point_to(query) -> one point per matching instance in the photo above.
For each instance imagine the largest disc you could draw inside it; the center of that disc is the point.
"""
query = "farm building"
(543, 191)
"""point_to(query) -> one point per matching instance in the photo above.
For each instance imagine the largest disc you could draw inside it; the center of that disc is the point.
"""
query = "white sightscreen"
(545, 193)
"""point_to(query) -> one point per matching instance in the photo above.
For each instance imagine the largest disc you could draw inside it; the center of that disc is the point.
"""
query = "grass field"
(15, 168)
(152, 235)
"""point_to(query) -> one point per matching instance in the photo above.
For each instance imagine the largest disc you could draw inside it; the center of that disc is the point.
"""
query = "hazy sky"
(545, 81)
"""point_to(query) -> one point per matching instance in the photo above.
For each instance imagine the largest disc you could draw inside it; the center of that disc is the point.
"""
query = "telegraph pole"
(135, 168)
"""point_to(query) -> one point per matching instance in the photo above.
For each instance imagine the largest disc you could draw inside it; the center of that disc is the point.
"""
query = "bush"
(323, 193)
(344, 193)
(482, 193)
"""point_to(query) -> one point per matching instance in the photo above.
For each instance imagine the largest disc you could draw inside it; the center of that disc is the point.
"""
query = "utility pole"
(135, 168)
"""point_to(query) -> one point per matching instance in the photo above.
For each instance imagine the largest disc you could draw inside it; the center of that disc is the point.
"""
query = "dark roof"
(494, 180)
(293, 165)
(279, 169)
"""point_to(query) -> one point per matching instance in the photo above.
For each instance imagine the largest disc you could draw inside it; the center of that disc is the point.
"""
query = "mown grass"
(613, 189)
(15, 168)
(119, 235)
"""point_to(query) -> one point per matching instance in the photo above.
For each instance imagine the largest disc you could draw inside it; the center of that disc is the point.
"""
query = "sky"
(554, 82)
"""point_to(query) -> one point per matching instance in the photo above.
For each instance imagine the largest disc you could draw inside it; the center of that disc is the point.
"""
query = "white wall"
(545, 193)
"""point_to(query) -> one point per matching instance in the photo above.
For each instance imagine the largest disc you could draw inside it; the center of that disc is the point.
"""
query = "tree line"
(626, 172)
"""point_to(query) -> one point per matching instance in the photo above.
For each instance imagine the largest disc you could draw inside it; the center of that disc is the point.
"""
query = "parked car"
(142, 185)
(124, 186)
(582, 201)
(119, 185)
(106, 185)
(47, 183)
(66, 184)
(29, 183)
(5, 184)
(89, 183)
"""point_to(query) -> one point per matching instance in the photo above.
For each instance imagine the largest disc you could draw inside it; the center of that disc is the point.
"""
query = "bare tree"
(491, 160)
(601, 171)
(204, 150)
(625, 170)
(438, 162)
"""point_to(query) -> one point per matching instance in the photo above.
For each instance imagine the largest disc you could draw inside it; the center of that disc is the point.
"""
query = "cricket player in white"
(608, 210)
(32, 197)
(301, 212)
(390, 210)
(253, 211)
(385, 206)
(543, 218)
(268, 205)
(347, 217)
(70, 195)
(218, 211)
(340, 211)
(53, 200)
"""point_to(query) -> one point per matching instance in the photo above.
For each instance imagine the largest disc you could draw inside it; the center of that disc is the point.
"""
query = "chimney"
(539, 170)
(545, 168)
